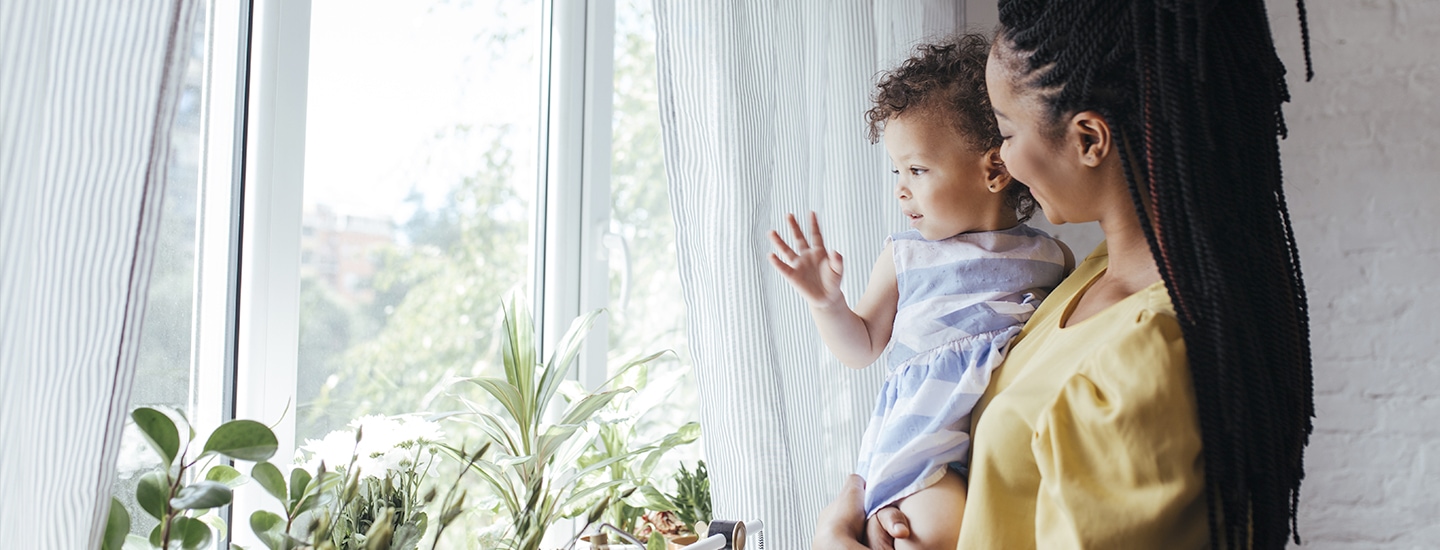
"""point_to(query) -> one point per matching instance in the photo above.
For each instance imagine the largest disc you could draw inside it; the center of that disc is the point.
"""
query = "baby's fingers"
(799, 234)
(815, 230)
(781, 248)
(780, 265)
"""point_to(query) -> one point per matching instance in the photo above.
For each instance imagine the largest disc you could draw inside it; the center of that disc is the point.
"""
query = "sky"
(390, 83)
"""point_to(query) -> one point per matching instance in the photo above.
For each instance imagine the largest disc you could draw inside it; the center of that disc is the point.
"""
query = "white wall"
(1362, 166)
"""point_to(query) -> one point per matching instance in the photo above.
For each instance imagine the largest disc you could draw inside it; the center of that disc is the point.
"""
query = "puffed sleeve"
(1119, 452)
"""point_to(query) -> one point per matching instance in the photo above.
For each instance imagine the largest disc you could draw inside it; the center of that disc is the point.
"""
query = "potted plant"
(535, 471)
(323, 508)
(173, 493)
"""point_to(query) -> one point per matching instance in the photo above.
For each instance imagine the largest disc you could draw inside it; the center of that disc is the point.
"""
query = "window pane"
(420, 173)
(163, 377)
(646, 306)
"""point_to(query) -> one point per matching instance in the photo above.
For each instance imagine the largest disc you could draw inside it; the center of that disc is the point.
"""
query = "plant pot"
(680, 542)
(601, 541)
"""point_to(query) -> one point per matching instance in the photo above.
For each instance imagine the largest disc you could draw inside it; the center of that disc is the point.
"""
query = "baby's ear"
(997, 177)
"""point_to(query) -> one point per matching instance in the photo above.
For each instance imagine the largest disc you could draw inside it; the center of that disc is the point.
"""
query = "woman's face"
(1031, 154)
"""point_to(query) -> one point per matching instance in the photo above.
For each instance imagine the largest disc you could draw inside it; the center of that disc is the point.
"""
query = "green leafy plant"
(374, 499)
(303, 492)
(340, 509)
(631, 465)
(172, 494)
(692, 495)
(536, 474)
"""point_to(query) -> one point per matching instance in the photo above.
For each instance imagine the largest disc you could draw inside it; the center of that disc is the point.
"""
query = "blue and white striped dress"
(962, 299)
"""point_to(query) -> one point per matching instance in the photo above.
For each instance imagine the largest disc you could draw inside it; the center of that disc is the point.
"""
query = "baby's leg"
(934, 515)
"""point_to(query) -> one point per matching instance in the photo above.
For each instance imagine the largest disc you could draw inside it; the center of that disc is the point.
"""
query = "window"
(645, 302)
(405, 165)
(420, 152)
(188, 333)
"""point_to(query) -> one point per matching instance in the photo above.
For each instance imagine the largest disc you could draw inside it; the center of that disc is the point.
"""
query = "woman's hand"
(842, 523)
(885, 526)
(814, 271)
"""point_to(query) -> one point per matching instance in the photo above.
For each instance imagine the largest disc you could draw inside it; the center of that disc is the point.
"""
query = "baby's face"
(942, 186)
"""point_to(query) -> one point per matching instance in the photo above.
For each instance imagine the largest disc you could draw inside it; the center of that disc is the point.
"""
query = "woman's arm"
(857, 337)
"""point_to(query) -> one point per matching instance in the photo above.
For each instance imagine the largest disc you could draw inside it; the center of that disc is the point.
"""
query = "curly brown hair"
(946, 79)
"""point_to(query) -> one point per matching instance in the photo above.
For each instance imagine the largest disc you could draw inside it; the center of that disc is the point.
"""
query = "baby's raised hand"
(814, 271)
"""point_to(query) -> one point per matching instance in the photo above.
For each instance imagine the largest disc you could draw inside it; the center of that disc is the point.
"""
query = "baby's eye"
(894, 171)
(917, 171)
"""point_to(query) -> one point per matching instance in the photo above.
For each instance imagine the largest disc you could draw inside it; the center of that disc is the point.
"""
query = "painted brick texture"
(1362, 167)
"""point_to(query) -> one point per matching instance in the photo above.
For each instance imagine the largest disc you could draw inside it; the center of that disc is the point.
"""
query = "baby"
(946, 297)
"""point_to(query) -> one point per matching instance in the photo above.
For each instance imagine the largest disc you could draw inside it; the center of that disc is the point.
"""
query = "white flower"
(388, 444)
(334, 449)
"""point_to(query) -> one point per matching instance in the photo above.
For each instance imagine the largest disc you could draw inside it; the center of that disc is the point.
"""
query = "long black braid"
(1192, 90)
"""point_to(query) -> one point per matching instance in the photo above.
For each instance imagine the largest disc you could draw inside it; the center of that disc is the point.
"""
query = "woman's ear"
(997, 177)
(1090, 133)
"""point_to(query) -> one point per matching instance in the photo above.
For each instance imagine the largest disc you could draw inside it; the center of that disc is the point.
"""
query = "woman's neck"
(1132, 267)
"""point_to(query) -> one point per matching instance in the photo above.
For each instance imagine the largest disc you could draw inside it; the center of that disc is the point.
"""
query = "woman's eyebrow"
(998, 113)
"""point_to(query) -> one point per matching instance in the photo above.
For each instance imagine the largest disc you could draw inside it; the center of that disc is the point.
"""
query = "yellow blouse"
(1088, 436)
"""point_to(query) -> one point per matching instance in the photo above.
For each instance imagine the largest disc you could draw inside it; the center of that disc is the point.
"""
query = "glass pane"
(163, 377)
(420, 173)
(646, 306)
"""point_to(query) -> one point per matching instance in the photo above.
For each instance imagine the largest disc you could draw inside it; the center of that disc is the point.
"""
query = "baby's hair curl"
(945, 81)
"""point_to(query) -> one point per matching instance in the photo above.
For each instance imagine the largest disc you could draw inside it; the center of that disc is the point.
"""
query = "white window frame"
(573, 196)
(269, 328)
(252, 341)
(217, 254)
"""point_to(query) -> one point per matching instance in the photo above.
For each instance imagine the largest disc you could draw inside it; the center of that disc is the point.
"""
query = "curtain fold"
(762, 110)
(89, 89)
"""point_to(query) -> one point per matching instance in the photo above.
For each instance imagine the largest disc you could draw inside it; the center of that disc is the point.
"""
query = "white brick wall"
(1362, 169)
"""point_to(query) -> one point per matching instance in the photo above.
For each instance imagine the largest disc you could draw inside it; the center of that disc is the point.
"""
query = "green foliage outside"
(436, 296)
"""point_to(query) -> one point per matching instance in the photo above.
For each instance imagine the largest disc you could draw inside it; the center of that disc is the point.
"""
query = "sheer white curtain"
(762, 109)
(88, 88)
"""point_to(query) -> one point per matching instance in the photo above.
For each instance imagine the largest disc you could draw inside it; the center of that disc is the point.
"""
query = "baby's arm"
(858, 336)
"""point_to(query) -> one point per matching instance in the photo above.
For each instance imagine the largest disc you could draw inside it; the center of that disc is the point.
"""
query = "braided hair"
(1192, 90)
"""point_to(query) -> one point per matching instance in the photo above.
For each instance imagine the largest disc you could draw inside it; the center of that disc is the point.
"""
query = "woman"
(1161, 397)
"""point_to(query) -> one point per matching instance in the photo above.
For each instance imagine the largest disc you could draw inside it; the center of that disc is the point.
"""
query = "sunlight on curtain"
(762, 111)
(89, 90)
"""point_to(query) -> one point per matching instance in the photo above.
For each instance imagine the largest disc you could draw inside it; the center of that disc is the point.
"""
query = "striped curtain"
(762, 108)
(89, 89)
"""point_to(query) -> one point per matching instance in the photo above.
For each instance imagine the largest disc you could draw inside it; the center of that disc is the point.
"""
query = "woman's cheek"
(1012, 164)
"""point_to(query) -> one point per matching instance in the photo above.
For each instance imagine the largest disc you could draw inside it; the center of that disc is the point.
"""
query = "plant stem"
(170, 512)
